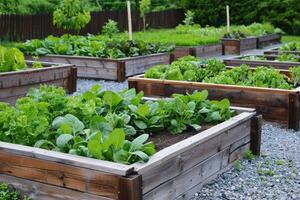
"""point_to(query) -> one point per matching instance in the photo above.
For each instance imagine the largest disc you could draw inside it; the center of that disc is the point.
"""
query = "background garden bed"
(274, 104)
(237, 61)
(198, 51)
(236, 46)
(276, 51)
(16, 84)
(169, 174)
(110, 69)
(266, 40)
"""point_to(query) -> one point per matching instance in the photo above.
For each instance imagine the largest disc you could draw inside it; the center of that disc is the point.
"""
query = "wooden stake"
(228, 19)
(129, 20)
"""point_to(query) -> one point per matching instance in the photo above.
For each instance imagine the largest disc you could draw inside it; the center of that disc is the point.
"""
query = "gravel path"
(274, 175)
(84, 84)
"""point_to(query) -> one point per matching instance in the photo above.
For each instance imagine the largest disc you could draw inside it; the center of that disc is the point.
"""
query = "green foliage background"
(284, 14)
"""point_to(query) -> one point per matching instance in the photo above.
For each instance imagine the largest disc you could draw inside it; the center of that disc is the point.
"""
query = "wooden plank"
(77, 161)
(36, 190)
(140, 65)
(190, 157)
(131, 188)
(192, 177)
(62, 175)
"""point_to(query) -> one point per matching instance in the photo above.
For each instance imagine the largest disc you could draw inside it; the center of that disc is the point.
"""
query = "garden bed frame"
(110, 69)
(16, 84)
(237, 61)
(266, 40)
(175, 172)
(236, 46)
(276, 51)
(274, 104)
(198, 51)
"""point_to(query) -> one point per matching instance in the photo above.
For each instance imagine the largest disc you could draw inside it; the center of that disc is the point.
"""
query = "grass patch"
(290, 38)
(170, 36)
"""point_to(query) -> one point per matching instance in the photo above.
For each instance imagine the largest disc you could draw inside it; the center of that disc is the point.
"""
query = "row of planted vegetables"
(123, 127)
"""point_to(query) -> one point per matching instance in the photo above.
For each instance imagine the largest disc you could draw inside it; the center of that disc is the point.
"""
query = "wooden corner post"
(256, 128)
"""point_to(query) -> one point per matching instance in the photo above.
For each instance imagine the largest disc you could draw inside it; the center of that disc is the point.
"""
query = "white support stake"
(129, 20)
(228, 19)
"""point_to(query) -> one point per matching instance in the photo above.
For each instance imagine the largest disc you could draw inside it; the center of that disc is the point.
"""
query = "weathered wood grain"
(235, 46)
(38, 191)
(16, 84)
(198, 51)
(109, 69)
(266, 40)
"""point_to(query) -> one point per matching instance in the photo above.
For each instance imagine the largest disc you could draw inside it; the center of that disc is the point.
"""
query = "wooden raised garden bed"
(276, 51)
(274, 104)
(198, 51)
(236, 46)
(266, 40)
(271, 61)
(177, 171)
(16, 84)
(110, 69)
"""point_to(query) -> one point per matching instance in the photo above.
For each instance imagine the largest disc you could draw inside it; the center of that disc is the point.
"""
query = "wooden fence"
(20, 27)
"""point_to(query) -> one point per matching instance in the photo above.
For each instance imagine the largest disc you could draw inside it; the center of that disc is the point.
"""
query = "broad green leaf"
(63, 140)
(43, 144)
(144, 157)
(111, 98)
(121, 156)
(115, 138)
(149, 148)
(143, 110)
(99, 123)
(94, 146)
(140, 124)
(138, 142)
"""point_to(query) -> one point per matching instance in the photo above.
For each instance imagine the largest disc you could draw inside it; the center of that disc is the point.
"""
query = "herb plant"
(110, 28)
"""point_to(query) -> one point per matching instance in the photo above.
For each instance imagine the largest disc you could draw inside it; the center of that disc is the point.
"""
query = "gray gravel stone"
(274, 175)
(84, 85)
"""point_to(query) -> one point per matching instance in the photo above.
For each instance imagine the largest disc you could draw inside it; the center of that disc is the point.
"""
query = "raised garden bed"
(271, 61)
(110, 69)
(198, 51)
(278, 105)
(266, 40)
(236, 46)
(171, 173)
(16, 84)
(276, 51)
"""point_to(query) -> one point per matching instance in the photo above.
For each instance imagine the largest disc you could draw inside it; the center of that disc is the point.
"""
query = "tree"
(71, 15)
(144, 9)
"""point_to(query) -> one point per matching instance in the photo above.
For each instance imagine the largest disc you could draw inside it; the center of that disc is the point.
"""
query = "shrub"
(110, 28)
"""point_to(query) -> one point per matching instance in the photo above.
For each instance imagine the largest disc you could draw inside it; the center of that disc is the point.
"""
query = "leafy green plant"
(7, 192)
(295, 71)
(11, 59)
(71, 15)
(36, 64)
(249, 155)
(110, 28)
(291, 46)
(287, 57)
(95, 46)
(214, 71)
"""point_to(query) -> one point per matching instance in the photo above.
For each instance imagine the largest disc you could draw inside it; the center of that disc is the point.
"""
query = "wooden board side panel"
(208, 50)
(253, 63)
(181, 52)
(137, 65)
(37, 191)
(273, 106)
(168, 169)
(60, 175)
(199, 174)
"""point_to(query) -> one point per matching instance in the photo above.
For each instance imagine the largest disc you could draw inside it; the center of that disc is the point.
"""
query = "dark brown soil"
(166, 139)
